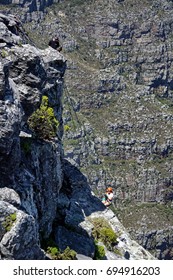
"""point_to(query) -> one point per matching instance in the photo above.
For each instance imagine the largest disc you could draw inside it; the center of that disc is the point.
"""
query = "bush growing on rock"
(43, 121)
(108, 237)
(103, 232)
(4, 53)
(56, 254)
(67, 254)
(50, 246)
(66, 127)
(99, 252)
(53, 251)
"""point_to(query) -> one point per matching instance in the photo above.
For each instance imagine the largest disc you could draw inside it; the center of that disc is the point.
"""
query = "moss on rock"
(9, 221)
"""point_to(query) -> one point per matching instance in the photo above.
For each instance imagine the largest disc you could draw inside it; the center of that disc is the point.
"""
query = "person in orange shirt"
(108, 197)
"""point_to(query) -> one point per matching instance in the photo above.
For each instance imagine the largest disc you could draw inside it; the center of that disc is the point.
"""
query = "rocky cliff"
(30, 168)
(42, 196)
(118, 112)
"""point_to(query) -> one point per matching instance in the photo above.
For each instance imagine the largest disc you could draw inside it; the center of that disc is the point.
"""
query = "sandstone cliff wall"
(30, 168)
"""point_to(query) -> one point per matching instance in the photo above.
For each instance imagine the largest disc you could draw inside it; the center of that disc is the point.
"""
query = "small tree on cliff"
(43, 121)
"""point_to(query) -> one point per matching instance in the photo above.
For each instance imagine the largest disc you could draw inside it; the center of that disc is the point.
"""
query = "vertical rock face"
(30, 168)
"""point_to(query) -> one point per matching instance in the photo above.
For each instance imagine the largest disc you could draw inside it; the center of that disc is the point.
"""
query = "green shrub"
(67, 254)
(103, 232)
(52, 249)
(56, 254)
(4, 53)
(9, 221)
(43, 122)
(66, 127)
(108, 237)
(99, 252)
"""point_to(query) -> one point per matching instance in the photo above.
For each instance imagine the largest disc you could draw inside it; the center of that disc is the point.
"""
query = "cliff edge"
(30, 168)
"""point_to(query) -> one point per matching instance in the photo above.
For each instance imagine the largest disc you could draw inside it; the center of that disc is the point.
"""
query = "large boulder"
(18, 234)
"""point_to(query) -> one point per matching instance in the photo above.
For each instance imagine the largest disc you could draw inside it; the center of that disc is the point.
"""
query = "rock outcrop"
(78, 207)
